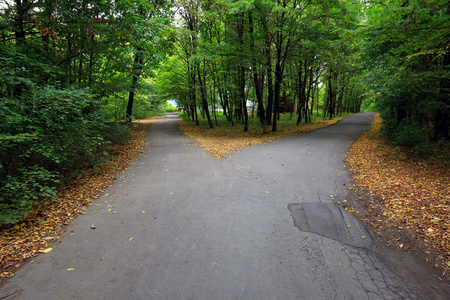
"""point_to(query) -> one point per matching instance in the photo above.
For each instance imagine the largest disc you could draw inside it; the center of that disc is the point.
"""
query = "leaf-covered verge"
(224, 139)
(43, 226)
(407, 194)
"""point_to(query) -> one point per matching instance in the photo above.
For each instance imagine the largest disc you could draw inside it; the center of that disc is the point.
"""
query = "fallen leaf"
(46, 250)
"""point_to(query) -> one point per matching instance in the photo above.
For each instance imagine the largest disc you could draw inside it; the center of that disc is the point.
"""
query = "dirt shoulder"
(404, 200)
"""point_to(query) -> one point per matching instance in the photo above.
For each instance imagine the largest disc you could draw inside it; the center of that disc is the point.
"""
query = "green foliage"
(59, 61)
(170, 108)
(146, 104)
(408, 134)
(18, 194)
(50, 132)
(408, 68)
(372, 107)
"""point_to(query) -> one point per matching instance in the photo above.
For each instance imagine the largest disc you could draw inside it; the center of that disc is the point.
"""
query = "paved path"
(180, 224)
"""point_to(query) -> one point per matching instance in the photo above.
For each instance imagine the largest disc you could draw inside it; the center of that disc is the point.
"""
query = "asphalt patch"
(331, 221)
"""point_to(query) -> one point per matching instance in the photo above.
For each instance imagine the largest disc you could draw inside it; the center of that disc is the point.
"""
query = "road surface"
(261, 224)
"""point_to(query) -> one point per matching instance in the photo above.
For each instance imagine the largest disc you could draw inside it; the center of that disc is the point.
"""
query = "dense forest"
(74, 72)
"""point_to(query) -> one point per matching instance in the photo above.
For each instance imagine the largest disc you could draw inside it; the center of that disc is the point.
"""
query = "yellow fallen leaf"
(401, 245)
(70, 269)
(131, 239)
(363, 237)
(46, 250)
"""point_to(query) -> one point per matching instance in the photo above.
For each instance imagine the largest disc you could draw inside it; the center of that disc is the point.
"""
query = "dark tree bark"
(269, 81)
(137, 67)
(204, 99)
(441, 122)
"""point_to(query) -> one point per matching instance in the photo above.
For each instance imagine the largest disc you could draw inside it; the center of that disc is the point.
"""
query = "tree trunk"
(256, 81)
(441, 120)
(330, 98)
(269, 82)
(137, 66)
(204, 99)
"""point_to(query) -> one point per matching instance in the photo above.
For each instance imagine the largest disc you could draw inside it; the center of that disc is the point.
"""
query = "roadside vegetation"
(401, 192)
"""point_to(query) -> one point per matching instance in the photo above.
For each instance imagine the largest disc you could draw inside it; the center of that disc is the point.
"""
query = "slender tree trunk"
(137, 66)
(330, 98)
(441, 120)
(269, 82)
(308, 95)
(204, 99)
(277, 91)
(256, 81)
(242, 96)
(91, 61)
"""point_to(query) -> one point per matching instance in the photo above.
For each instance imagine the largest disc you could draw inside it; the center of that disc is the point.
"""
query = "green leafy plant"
(21, 192)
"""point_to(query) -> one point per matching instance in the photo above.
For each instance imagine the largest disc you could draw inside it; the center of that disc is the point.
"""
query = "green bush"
(372, 107)
(114, 132)
(45, 133)
(21, 192)
(407, 134)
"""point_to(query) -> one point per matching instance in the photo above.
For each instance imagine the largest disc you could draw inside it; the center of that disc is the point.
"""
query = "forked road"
(179, 224)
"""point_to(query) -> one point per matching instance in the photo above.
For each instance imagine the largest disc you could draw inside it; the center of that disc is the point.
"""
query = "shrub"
(410, 135)
(21, 192)
(45, 133)
(407, 134)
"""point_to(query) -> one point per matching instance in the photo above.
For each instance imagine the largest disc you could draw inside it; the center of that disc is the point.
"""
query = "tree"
(407, 61)
(58, 60)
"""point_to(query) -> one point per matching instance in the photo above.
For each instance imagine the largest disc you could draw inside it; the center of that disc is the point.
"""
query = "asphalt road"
(179, 224)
